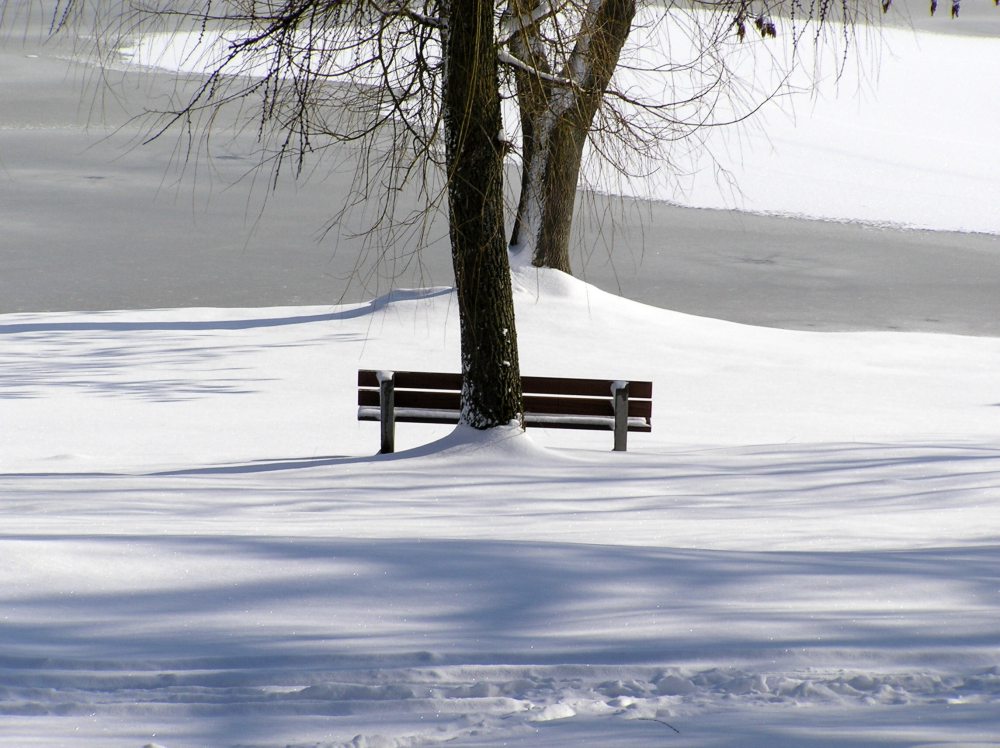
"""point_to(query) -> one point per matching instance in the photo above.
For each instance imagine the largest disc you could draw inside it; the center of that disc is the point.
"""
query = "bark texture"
(557, 112)
(491, 380)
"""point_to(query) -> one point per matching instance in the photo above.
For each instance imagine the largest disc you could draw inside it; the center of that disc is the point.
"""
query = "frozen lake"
(92, 220)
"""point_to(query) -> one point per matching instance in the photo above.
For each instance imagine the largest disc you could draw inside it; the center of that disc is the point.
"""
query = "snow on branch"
(507, 58)
(512, 24)
(401, 10)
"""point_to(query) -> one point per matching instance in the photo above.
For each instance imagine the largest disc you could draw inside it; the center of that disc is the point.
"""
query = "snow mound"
(533, 284)
(464, 442)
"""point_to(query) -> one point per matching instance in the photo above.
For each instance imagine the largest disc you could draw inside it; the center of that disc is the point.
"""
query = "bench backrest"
(554, 402)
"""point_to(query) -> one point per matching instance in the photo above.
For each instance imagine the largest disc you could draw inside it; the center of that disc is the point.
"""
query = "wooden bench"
(549, 402)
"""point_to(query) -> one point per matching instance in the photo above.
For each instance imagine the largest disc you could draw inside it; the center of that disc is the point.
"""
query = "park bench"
(549, 402)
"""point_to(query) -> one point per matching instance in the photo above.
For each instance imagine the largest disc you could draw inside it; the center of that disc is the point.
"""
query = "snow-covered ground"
(198, 548)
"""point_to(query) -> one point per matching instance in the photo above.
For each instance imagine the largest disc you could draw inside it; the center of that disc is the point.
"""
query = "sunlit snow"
(200, 548)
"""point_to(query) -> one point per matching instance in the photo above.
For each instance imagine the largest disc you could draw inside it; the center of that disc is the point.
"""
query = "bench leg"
(620, 391)
(387, 406)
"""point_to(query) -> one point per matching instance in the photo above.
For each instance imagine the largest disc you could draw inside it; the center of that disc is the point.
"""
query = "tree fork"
(556, 121)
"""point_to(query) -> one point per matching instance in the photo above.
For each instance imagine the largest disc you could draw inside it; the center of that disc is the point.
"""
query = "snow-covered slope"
(199, 548)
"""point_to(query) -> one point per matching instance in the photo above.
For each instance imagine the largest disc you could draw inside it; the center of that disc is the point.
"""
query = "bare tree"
(562, 75)
(413, 84)
(564, 55)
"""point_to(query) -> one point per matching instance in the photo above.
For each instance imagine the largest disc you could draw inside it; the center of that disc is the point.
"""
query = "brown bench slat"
(535, 420)
(585, 387)
(410, 415)
(585, 406)
(414, 399)
(415, 380)
(584, 422)
(421, 380)
(533, 404)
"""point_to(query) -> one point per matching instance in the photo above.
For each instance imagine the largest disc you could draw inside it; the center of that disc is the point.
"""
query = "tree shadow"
(299, 611)
(180, 360)
(107, 325)
(512, 601)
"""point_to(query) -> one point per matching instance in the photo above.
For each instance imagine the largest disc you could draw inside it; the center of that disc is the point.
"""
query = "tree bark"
(491, 380)
(555, 121)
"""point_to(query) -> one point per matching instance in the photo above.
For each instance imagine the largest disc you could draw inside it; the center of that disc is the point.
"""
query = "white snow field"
(199, 549)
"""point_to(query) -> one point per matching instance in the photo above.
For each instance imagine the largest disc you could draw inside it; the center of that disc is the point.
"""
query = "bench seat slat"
(548, 421)
(607, 423)
(533, 404)
(411, 415)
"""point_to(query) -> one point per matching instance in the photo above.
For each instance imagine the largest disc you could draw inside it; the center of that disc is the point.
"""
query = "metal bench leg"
(620, 392)
(387, 408)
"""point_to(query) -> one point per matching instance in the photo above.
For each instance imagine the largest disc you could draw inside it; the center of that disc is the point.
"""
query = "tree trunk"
(555, 121)
(557, 175)
(491, 380)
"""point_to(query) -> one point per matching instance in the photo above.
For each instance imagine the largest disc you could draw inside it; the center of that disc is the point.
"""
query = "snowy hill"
(202, 550)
